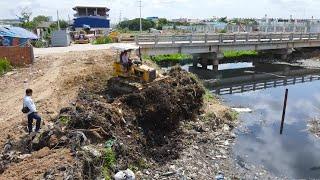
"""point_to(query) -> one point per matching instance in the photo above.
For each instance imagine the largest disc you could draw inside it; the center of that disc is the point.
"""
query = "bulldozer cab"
(134, 69)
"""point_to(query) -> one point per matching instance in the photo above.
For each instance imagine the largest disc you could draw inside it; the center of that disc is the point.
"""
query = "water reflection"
(295, 154)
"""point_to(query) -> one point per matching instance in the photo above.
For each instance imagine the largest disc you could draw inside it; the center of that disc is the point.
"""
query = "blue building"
(92, 17)
(15, 36)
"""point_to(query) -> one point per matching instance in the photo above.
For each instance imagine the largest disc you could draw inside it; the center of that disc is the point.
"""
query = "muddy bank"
(132, 130)
(166, 130)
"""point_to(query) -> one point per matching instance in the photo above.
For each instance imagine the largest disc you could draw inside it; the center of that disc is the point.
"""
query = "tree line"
(32, 23)
(134, 24)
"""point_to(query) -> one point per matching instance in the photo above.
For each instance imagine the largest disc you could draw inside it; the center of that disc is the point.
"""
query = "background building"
(92, 17)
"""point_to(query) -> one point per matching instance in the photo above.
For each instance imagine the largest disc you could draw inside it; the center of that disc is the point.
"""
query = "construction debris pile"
(134, 130)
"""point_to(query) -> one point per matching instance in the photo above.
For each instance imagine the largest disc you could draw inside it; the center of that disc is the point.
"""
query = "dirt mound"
(140, 127)
(144, 124)
(161, 107)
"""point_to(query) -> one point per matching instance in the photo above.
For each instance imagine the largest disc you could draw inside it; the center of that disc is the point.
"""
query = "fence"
(226, 38)
(18, 56)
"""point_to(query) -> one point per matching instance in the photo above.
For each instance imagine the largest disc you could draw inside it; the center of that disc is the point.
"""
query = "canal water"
(296, 153)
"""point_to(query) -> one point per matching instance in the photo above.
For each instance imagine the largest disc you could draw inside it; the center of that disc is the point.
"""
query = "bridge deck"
(205, 43)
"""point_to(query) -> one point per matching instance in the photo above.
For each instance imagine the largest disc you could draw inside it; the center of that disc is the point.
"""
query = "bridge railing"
(264, 84)
(225, 38)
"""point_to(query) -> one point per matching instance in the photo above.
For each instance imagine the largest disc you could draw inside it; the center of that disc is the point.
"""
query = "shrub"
(109, 162)
(174, 58)
(4, 66)
(103, 40)
(239, 54)
(222, 31)
(39, 44)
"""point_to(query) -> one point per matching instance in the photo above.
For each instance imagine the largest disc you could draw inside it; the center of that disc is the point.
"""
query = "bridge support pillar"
(206, 59)
(215, 64)
(282, 53)
(195, 60)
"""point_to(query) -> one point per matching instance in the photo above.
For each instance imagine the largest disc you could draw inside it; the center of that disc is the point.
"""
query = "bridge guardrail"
(225, 38)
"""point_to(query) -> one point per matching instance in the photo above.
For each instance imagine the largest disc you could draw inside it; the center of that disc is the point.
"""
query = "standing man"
(32, 113)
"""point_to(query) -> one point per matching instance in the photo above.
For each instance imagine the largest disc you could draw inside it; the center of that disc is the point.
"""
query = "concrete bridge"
(254, 81)
(207, 49)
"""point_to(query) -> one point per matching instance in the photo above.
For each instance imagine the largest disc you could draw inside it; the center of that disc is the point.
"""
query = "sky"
(169, 8)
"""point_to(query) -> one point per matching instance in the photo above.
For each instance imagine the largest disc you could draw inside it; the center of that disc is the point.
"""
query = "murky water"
(296, 153)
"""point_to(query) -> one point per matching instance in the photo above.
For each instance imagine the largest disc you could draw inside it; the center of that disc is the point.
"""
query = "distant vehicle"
(155, 31)
(81, 38)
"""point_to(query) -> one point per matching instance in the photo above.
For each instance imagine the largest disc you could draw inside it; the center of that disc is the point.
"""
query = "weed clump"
(4, 66)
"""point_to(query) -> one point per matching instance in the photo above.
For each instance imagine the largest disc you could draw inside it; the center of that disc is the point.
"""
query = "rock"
(226, 128)
(220, 176)
(170, 173)
(129, 174)
(120, 176)
(233, 135)
(125, 175)
(94, 152)
(7, 147)
(24, 156)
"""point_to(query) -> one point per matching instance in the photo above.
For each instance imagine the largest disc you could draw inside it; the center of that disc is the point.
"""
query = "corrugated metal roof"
(18, 32)
(99, 7)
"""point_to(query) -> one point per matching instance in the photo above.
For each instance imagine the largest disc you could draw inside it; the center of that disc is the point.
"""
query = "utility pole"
(58, 20)
(140, 6)
(120, 18)
(69, 19)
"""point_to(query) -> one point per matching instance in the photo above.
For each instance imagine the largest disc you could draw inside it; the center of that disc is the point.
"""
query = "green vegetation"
(134, 25)
(64, 120)
(222, 31)
(162, 22)
(109, 162)
(39, 44)
(232, 115)
(208, 96)
(209, 117)
(172, 58)
(4, 66)
(239, 54)
(102, 40)
(139, 165)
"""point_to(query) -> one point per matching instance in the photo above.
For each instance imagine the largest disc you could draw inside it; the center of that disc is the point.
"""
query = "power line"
(140, 6)
(120, 17)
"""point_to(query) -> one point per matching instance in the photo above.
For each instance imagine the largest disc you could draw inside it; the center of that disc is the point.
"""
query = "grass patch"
(4, 66)
(39, 44)
(208, 96)
(139, 165)
(64, 120)
(232, 115)
(239, 54)
(102, 40)
(209, 117)
(171, 58)
(109, 161)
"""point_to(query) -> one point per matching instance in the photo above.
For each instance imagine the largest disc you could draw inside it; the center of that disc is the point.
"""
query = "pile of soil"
(143, 127)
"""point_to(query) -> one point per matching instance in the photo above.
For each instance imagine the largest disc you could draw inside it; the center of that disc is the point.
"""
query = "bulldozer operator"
(125, 60)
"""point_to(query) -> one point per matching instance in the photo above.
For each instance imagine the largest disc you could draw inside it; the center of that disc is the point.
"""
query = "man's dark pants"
(31, 117)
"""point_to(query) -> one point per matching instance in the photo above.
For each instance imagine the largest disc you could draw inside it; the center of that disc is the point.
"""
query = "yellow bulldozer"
(128, 79)
(137, 70)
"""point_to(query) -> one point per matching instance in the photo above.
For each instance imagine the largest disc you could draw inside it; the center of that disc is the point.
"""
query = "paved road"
(72, 48)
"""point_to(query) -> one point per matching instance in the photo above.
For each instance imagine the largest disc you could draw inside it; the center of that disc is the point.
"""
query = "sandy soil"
(72, 48)
(55, 79)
